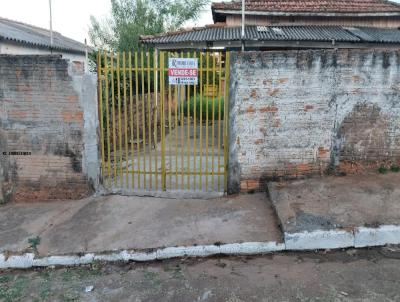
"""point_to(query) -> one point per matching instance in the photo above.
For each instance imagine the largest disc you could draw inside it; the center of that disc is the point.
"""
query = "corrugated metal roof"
(279, 33)
(36, 36)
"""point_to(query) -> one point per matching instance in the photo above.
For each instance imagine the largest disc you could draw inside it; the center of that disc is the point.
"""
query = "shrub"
(383, 170)
(207, 104)
(395, 169)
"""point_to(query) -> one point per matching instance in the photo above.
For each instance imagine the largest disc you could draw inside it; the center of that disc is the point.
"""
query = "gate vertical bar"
(213, 124)
(107, 119)
(126, 122)
(219, 119)
(201, 121)
(207, 100)
(188, 133)
(169, 132)
(226, 117)
(194, 131)
(119, 118)
(100, 100)
(137, 119)
(131, 117)
(149, 118)
(113, 118)
(162, 85)
(143, 121)
(155, 64)
(182, 114)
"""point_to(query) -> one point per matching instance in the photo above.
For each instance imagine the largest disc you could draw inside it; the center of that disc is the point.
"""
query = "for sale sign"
(183, 71)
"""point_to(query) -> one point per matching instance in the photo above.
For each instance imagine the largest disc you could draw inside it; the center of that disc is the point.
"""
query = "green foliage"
(395, 169)
(34, 242)
(132, 18)
(383, 170)
(214, 107)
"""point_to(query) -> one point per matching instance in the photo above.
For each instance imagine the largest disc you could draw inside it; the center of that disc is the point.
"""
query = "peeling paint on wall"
(302, 113)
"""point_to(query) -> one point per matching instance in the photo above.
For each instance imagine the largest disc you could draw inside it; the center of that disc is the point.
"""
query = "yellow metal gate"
(161, 136)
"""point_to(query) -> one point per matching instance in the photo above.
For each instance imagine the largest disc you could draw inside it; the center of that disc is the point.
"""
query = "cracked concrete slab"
(331, 203)
(127, 222)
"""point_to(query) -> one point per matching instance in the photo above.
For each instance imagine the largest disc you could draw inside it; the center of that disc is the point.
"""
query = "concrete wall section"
(299, 113)
(48, 124)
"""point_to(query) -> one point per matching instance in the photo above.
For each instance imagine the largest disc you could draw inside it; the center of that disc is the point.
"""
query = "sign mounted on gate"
(183, 71)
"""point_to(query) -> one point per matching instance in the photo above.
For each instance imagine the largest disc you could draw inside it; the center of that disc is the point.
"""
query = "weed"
(383, 170)
(395, 169)
(34, 242)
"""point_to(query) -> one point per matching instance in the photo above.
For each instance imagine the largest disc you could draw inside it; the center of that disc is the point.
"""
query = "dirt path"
(353, 275)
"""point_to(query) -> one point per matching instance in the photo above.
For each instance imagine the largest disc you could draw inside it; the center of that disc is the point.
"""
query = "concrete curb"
(29, 260)
(333, 239)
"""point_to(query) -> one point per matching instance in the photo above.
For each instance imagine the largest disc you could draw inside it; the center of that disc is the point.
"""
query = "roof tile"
(312, 6)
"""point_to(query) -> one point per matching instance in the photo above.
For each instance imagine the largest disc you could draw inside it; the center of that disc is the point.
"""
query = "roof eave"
(44, 46)
(304, 14)
(293, 44)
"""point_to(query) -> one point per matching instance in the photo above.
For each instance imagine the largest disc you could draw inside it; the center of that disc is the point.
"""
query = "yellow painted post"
(100, 100)
(131, 117)
(137, 119)
(149, 118)
(143, 121)
(119, 117)
(226, 117)
(219, 120)
(107, 119)
(201, 121)
(163, 172)
(126, 122)
(113, 117)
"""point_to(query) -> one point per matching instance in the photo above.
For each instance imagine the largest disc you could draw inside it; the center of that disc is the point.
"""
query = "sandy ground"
(352, 275)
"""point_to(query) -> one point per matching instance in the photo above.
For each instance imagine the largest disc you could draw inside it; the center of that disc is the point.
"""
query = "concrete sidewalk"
(337, 212)
(115, 223)
(323, 213)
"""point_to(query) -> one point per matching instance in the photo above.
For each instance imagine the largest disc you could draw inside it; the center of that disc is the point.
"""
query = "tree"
(132, 18)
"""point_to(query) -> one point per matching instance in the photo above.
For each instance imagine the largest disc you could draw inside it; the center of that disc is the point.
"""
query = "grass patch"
(12, 290)
(395, 169)
(210, 107)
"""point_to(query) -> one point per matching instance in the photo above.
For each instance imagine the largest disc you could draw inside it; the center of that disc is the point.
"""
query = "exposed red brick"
(269, 109)
(250, 109)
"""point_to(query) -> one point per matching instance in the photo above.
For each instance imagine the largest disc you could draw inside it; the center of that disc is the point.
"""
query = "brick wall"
(301, 113)
(41, 114)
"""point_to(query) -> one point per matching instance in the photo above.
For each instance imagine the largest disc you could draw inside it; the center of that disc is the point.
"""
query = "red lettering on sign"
(182, 72)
